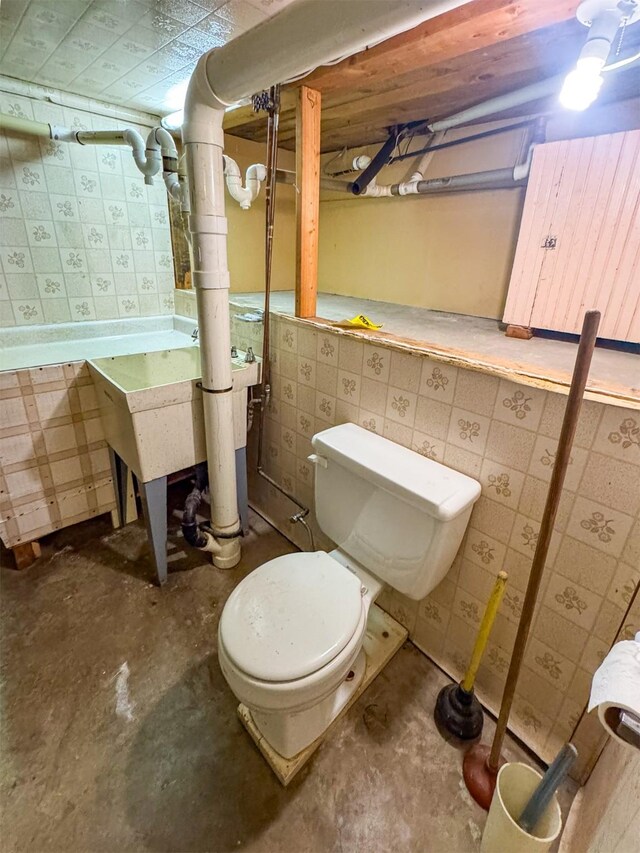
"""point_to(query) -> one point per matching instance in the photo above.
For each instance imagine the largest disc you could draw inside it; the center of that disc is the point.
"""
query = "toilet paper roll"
(616, 684)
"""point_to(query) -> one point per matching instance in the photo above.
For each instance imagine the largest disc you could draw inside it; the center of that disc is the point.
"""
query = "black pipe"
(190, 527)
(377, 163)
(382, 157)
(453, 142)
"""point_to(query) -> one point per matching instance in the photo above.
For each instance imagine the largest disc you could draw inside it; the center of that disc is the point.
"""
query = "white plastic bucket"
(514, 786)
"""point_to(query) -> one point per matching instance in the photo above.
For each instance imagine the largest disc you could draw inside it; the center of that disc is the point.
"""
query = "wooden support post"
(307, 199)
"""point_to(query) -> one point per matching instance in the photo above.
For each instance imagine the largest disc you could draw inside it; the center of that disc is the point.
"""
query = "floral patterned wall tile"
(619, 435)
(519, 405)
(505, 435)
(83, 237)
(438, 381)
(600, 526)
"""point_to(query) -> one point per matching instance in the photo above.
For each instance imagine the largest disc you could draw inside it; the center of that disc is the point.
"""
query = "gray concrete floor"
(120, 733)
(475, 336)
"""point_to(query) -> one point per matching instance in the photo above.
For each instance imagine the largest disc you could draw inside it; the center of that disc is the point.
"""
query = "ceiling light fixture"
(173, 121)
(604, 18)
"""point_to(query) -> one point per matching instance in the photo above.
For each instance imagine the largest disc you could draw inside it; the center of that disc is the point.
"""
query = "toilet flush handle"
(317, 460)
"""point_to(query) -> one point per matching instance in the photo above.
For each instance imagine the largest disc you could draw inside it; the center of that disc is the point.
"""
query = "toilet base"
(289, 734)
(383, 638)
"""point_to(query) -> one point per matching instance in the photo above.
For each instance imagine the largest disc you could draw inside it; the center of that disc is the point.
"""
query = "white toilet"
(291, 633)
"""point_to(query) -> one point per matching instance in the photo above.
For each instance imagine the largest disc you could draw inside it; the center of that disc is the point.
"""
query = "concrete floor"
(611, 370)
(120, 732)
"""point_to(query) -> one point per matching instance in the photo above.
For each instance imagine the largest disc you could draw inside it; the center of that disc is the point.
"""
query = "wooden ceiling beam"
(462, 83)
(438, 91)
(473, 26)
(476, 52)
(356, 134)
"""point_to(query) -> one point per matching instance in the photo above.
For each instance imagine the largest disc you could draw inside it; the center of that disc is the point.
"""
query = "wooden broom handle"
(565, 442)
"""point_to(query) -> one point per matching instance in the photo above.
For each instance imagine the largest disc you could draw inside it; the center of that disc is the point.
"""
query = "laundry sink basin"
(151, 407)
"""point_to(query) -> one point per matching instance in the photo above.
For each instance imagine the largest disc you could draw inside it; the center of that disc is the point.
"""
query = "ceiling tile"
(129, 52)
(182, 10)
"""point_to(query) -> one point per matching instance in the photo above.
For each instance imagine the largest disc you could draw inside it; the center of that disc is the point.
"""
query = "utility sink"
(151, 407)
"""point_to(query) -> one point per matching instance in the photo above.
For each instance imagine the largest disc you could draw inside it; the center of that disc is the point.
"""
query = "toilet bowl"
(290, 639)
(290, 636)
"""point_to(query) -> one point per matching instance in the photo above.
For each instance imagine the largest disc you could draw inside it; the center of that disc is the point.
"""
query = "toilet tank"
(398, 514)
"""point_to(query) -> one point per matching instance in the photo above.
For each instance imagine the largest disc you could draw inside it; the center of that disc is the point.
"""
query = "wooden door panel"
(583, 198)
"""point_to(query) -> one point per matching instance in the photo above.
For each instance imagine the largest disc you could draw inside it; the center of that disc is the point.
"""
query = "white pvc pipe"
(210, 276)
(375, 190)
(148, 158)
(308, 34)
(301, 37)
(410, 187)
(24, 126)
(500, 103)
(244, 195)
(75, 102)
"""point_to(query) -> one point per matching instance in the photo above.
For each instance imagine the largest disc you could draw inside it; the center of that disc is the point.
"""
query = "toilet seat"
(291, 617)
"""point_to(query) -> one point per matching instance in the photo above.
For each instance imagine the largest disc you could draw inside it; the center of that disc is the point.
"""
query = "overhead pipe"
(304, 36)
(286, 176)
(293, 42)
(358, 163)
(411, 186)
(159, 151)
(516, 98)
(500, 103)
(24, 126)
(12, 86)
(147, 158)
(461, 140)
(505, 178)
(367, 179)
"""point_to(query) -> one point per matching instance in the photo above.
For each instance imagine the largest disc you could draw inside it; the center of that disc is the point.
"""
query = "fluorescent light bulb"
(581, 86)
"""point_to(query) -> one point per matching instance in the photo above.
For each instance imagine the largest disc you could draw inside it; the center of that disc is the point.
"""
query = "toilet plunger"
(481, 765)
(457, 711)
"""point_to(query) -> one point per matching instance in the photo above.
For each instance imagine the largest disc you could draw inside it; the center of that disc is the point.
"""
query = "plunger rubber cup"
(479, 777)
(458, 713)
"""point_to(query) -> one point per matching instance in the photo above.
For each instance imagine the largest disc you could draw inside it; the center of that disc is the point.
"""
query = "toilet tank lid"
(436, 489)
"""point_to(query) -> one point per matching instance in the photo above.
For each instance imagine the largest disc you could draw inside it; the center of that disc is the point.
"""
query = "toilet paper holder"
(615, 692)
(625, 724)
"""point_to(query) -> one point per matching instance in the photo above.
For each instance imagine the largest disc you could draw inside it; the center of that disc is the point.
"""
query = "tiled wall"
(504, 435)
(54, 462)
(81, 236)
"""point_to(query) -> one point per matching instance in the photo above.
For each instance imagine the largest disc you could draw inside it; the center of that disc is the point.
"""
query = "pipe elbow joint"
(203, 110)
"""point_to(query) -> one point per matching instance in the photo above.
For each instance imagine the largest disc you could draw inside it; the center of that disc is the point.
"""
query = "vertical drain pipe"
(203, 143)
(290, 44)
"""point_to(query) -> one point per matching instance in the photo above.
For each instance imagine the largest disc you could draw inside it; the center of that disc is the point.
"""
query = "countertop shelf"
(476, 343)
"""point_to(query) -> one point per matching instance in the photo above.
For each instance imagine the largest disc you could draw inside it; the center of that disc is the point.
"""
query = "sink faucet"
(194, 335)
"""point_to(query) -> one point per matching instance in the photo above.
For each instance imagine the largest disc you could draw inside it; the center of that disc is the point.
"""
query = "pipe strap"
(214, 390)
(235, 534)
